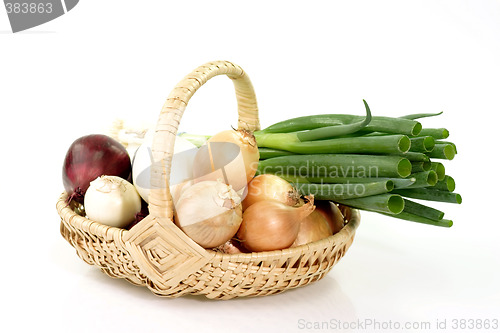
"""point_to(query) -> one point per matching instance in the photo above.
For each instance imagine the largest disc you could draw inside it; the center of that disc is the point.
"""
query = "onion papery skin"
(331, 213)
(313, 228)
(90, 157)
(113, 201)
(271, 225)
(270, 187)
(232, 246)
(209, 213)
(215, 231)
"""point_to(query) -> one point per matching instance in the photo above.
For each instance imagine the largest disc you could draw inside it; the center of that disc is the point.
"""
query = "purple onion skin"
(92, 156)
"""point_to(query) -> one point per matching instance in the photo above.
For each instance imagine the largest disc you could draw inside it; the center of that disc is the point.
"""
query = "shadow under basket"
(155, 253)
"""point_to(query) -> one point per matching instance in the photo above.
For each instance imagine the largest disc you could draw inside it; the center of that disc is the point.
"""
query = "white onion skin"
(215, 231)
(313, 228)
(113, 201)
(209, 212)
(271, 225)
(270, 187)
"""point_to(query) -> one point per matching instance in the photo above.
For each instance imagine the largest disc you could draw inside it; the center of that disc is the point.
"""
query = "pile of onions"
(90, 157)
(325, 220)
(209, 212)
(272, 225)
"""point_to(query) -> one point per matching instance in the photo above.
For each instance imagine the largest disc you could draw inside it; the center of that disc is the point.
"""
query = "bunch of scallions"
(373, 163)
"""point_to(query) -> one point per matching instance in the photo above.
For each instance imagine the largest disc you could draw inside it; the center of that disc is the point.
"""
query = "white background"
(109, 59)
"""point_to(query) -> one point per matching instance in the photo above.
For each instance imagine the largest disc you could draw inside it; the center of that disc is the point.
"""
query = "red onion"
(92, 156)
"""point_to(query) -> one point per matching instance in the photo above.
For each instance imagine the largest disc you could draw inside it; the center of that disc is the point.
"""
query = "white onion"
(112, 200)
(209, 212)
(181, 172)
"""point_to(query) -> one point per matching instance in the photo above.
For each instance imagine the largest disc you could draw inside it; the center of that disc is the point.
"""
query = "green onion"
(415, 157)
(422, 144)
(430, 194)
(270, 153)
(336, 130)
(415, 208)
(420, 219)
(442, 151)
(337, 165)
(382, 203)
(377, 124)
(424, 179)
(439, 168)
(450, 143)
(278, 140)
(421, 115)
(403, 183)
(390, 144)
(420, 166)
(447, 184)
(335, 192)
(397, 182)
(436, 133)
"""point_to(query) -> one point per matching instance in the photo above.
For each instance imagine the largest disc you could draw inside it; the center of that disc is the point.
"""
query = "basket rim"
(111, 233)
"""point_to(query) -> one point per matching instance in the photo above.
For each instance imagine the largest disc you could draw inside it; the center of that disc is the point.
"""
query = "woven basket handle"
(160, 199)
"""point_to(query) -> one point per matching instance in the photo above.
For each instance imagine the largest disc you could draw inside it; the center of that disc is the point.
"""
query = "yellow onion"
(270, 187)
(272, 225)
(231, 155)
(313, 228)
(209, 212)
(332, 214)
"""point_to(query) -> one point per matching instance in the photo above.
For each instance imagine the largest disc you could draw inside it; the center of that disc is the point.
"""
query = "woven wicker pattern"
(157, 254)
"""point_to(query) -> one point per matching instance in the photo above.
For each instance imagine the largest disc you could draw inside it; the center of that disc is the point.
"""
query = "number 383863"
(28, 8)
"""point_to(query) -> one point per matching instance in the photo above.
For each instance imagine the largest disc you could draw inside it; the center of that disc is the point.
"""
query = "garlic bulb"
(112, 200)
(209, 212)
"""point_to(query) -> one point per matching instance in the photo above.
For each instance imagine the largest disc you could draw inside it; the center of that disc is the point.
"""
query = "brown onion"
(332, 214)
(272, 225)
(270, 187)
(313, 228)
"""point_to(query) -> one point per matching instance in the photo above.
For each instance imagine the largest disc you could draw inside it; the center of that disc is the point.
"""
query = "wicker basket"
(157, 254)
